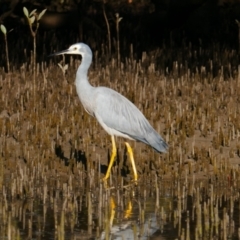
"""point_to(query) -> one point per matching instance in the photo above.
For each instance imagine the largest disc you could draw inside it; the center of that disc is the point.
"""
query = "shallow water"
(160, 209)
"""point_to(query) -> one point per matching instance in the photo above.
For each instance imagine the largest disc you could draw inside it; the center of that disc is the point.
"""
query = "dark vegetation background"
(147, 24)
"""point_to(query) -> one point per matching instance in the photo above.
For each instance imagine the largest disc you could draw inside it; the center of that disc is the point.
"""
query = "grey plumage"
(123, 116)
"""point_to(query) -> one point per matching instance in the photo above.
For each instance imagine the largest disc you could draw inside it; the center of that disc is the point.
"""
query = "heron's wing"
(117, 112)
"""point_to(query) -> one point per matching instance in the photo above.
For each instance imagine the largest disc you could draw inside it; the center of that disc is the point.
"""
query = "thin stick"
(108, 30)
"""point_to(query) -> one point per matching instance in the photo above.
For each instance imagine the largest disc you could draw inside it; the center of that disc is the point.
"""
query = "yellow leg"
(114, 153)
(130, 152)
(128, 212)
(112, 214)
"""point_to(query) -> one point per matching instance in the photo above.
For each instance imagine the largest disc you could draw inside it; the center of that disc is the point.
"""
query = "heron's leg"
(112, 207)
(114, 153)
(130, 153)
(109, 217)
(128, 212)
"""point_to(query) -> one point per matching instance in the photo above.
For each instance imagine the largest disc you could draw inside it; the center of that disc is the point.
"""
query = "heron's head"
(77, 48)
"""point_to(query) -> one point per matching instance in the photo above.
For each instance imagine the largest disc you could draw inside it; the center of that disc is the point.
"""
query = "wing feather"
(117, 112)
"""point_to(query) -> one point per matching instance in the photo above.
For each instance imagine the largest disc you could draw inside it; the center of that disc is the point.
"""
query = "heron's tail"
(157, 142)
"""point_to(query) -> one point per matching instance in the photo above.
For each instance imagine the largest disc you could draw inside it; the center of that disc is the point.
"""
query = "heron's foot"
(135, 178)
(132, 184)
(105, 183)
(135, 182)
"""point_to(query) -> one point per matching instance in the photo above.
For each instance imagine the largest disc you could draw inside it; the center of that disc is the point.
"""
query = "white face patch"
(75, 49)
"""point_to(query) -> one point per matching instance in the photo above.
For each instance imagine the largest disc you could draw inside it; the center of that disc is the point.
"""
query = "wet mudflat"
(155, 209)
(53, 155)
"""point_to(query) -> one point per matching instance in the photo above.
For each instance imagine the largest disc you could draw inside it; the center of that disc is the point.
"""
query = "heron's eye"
(75, 48)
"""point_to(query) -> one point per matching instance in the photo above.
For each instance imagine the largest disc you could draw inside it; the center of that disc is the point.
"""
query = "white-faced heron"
(115, 113)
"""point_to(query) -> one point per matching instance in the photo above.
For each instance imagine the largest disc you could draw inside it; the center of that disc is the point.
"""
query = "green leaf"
(25, 11)
(3, 29)
(41, 14)
(32, 19)
(32, 12)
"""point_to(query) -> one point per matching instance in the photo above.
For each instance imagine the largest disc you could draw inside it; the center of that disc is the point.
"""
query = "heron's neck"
(83, 86)
(82, 72)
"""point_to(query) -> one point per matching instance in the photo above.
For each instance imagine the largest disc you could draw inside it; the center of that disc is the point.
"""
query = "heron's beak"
(67, 51)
